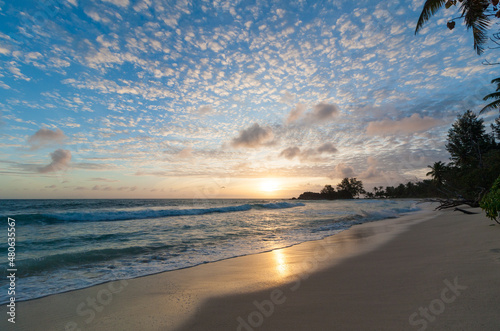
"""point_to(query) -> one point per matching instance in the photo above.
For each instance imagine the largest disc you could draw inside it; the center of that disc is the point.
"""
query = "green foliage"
(430, 8)
(492, 96)
(491, 202)
(351, 185)
(468, 141)
(328, 190)
(347, 189)
(496, 128)
(438, 171)
(475, 13)
(420, 189)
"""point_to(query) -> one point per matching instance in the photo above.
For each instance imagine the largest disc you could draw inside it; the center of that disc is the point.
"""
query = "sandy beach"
(427, 270)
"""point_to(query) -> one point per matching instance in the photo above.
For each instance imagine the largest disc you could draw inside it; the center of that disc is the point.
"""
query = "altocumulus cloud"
(205, 109)
(308, 154)
(321, 112)
(290, 152)
(185, 153)
(253, 137)
(296, 113)
(372, 171)
(60, 161)
(327, 148)
(407, 125)
(120, 3)
(45, 137)
(342, 170)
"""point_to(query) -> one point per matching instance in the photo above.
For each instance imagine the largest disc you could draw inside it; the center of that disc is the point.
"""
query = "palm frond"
(494, 95)
(430, 8)
(493, 105)
(475, 18)
(496, 81)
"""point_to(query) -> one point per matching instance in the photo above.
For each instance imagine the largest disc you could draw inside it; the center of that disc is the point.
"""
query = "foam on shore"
(372, 276)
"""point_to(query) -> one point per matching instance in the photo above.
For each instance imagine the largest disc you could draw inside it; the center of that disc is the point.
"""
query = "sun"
(269, 185)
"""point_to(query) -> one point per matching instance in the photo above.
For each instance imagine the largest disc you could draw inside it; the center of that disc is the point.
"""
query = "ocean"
(63, 245)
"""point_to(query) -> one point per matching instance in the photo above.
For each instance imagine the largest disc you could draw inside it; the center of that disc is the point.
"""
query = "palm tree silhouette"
(437, 172)
(474, 12)
(495, 95)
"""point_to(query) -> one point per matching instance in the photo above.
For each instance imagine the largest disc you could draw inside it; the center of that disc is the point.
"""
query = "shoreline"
(180, 298)
(442, 274)
(167, 279)
(130, 277)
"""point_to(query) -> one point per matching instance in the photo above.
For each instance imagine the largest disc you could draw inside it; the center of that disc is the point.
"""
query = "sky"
(203, 99)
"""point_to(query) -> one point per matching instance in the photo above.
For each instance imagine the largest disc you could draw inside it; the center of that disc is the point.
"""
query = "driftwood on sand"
(465, 211)
(453, 203)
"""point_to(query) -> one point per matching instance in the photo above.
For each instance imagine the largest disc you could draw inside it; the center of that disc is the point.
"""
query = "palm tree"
(495, 95)
(474, 13)
(437, 172)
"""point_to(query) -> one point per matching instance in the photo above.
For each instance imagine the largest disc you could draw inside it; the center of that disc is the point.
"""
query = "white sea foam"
(71, 244)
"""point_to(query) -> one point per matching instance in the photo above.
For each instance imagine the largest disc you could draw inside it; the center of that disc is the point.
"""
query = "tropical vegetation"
(477, 16)
(475, 158)
(491, 202)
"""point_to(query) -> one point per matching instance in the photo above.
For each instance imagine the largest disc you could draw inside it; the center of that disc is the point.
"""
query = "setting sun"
(269, 185)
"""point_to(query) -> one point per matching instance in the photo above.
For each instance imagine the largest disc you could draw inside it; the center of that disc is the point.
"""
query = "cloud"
(93, 166)
(18, 74)
(101, 188)
(60, 161)
(120, 3)
(290, 152)
(185, 153)
(205, 109)
(45, 137)
(100, 179)
(287, 97)
(253, 137)
(327, 148)
(321, 112)
(371, 171)
(4, 86)
(342, 170)
(407, 125)
(309, 154)
(127, 188)
(96, 16)
(4, 51)
(296, 113)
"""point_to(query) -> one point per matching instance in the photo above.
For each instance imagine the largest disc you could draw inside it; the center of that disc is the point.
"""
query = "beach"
(425, 270)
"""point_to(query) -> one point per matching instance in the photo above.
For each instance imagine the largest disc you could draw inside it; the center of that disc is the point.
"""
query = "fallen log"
(465, 211)
(446, 204)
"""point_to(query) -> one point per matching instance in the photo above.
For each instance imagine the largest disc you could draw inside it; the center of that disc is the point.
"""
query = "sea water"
(64, 245)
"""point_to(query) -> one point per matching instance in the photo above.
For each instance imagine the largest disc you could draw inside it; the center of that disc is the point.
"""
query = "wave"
(30, 267)
(122, 215)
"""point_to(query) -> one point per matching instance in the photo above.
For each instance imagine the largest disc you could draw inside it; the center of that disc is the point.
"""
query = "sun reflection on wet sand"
(281, 265)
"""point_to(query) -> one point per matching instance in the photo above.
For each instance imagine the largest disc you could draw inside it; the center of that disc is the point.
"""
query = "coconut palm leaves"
(430, 8)
(474, 13)
(438, 170)
(495, 95)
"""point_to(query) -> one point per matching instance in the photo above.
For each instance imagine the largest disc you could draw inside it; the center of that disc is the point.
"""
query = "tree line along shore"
(472, 176)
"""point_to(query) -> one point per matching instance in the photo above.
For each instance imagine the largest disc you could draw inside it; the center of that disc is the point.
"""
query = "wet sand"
(429, 270)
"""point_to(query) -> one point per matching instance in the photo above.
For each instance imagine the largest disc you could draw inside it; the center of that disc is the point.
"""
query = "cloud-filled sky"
(216, 99)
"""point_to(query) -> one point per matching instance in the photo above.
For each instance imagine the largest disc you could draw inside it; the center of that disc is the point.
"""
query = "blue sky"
(216, 99)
